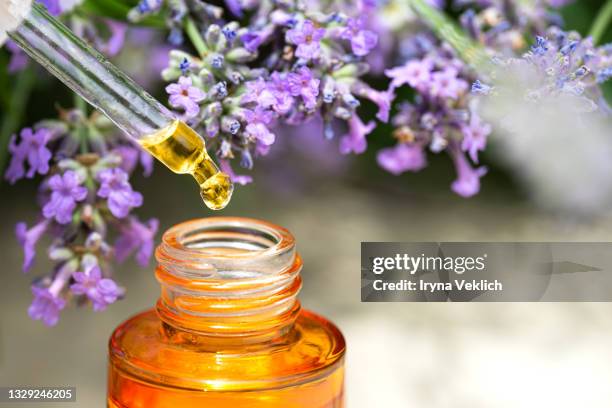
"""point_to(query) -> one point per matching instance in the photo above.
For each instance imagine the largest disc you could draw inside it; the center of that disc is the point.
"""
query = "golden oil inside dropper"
(183, 151)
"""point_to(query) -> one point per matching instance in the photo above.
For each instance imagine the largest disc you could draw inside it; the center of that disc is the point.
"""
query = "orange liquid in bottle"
(228, 330)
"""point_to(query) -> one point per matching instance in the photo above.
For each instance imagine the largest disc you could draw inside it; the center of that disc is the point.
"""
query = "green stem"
(82, 130)
(447, 30)
(16, 109)
(195, 37)
(601, 22)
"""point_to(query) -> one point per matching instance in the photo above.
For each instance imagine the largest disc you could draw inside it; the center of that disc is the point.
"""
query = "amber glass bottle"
(228, 329)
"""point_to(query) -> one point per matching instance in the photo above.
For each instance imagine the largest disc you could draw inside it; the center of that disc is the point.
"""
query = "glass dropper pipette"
(104, 86)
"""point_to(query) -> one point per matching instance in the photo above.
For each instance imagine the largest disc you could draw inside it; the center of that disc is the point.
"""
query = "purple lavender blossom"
(241, 179)
(235, 7)
(46, 306)
(251, 41)
(467, 183)
(480, 88)
(475, 136)
(19, 59)
(281, 91)
(114, 186)
(447, 84)
(417, 74)
(257, 121)
(136, 237)
(28, 240)
(101, 291)
(303, 83)
(131, 156)
(66, 191)
(114, 44)
(362, 41)
(146, 162)
(355, 141)
(257, 91)
(53, 6)
(307, 37)
(16, 169)
(34, 145)
(186, 96)
(402, 158)
(149, 6)
(382, 99)
(33, 148)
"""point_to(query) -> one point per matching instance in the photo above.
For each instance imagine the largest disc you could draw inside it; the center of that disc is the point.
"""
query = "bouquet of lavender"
(238, 68)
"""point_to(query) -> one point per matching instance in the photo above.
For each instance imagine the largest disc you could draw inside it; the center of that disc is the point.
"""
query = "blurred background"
(399, 355)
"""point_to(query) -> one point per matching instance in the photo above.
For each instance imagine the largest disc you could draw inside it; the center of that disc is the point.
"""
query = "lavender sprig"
(85, 194)
(285, 66)
(85, 191)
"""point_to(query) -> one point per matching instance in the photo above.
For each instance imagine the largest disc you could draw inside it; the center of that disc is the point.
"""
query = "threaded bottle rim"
(228, 276)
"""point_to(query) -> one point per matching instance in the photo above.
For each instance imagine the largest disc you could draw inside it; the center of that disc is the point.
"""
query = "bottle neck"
(228, 278)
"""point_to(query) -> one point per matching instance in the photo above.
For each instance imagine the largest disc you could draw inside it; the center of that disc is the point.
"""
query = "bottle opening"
(214, 240)
(233, 276)
(226, 248)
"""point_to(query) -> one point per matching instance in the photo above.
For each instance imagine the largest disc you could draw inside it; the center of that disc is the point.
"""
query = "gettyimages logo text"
(422, 263)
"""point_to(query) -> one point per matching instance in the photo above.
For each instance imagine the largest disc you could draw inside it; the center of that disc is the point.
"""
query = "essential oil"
(183, 151)
(228, 330)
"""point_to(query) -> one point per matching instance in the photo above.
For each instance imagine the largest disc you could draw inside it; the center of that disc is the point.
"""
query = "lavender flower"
(558, 65)
(66, 191)
(19, 60)
(383, 101)
(33, 148)
(447, 84)
(115, 187)
(280, 89)
(53, 6)
(101, 291)
(307, 38)
(256, 128)
(115, 42)
(475, 136)
(28, 240)
(302, 83)
(136, 237)
(252, 41)
(402, 158)
(132, 156)
(259, 92)
(46, 306)
(362, 40)
(355, 140)
(241, 179)
(186, 96)
(481, 89)
(85, 193)
(439, 116)
(416, 73)
(468, 178)
(288, 66)
(16, 169)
